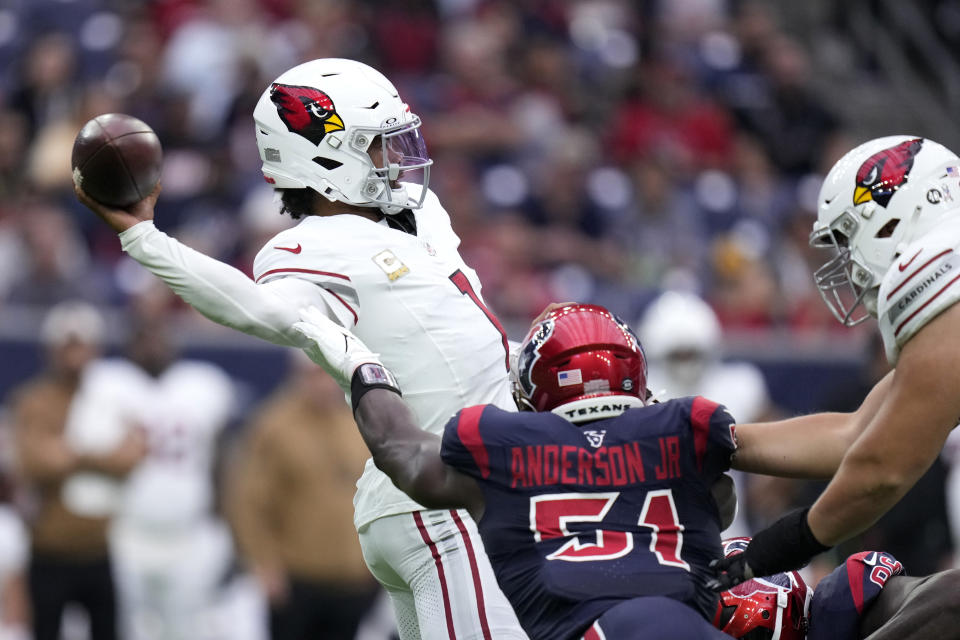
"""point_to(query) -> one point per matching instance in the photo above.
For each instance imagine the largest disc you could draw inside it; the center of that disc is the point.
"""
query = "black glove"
(786, 545)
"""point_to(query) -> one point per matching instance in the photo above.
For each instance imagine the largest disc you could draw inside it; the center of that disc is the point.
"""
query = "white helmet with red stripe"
(339, 127)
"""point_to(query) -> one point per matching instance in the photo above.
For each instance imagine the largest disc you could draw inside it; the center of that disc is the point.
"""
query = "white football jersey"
(920, 284)
(183, 411)
(740, 386)
(411, 299)
(108, 402)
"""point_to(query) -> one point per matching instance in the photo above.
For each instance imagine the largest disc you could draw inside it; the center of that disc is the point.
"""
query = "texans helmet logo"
(884, 172)
(530, 354)
(733, 546)
(306, 111)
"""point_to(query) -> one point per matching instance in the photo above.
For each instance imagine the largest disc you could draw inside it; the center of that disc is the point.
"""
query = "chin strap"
(782, 602)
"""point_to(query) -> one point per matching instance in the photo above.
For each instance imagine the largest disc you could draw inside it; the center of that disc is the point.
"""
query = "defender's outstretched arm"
(411, 456)
(400, 448)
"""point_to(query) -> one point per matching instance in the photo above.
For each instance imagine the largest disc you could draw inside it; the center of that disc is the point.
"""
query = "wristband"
(786, 545)
(369, 376)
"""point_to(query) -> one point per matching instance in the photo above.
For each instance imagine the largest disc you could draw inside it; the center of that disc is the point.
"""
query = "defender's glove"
(344, 356)
(332, 347)
(786, 545)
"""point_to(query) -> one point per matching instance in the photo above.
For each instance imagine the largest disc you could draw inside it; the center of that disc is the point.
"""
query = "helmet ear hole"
(887, 230)
(327, 163)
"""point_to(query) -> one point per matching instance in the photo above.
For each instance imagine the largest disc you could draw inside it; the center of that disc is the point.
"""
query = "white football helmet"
(318, 124)
(681, 336)
(877, 199)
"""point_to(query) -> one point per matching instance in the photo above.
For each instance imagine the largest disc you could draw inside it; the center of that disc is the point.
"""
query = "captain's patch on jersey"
(391, 264)
(568, 378)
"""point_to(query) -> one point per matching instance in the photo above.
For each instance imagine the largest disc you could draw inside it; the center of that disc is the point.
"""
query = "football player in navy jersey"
(599, 513)
(868, 596)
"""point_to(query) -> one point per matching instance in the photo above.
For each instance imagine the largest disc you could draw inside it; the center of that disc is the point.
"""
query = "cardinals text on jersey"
(918, 286)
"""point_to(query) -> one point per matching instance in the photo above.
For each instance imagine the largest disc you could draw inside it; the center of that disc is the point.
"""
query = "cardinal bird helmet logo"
(879, 177)
(306, 111)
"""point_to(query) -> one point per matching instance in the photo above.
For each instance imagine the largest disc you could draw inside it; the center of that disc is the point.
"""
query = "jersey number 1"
(551, 513)
(459, 278)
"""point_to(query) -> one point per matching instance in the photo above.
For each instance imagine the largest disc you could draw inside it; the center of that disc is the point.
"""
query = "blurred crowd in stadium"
(598, 151)
(595, 150)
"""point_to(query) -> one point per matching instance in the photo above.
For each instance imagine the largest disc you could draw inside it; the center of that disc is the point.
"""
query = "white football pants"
(169, 585)
(433, 565)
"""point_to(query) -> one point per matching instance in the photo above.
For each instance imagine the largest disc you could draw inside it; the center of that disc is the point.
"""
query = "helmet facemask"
(398, 156)
(845, 282)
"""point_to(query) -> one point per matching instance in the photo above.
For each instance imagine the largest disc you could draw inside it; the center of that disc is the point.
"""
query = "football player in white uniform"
(376, 252)
(890, 211)
(172, 554)
(682, 339)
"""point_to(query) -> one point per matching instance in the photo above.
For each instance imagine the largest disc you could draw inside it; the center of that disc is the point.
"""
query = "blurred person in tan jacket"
(72, 481)
(290, 501)
(14, 545)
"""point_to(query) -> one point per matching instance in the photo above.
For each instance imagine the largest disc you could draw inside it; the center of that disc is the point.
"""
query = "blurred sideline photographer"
(290, 500)
(71, 467)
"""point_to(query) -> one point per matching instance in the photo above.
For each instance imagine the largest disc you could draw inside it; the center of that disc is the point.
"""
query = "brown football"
(117, 159)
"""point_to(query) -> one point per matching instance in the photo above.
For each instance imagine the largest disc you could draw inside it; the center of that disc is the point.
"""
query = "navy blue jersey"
(581, 518)
(841, 598)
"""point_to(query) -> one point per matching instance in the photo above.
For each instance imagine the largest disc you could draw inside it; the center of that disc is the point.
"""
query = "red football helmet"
(583, 357)
(769, 608)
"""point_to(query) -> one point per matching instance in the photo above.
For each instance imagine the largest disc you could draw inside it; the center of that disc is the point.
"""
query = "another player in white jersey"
(890, 210)
(684, 353)
(377, 253)
(172, 554)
